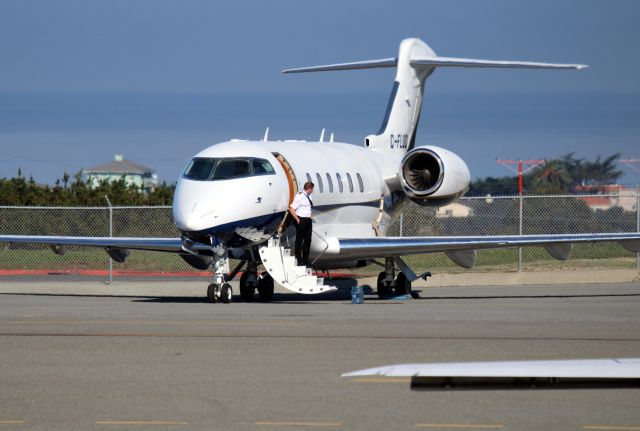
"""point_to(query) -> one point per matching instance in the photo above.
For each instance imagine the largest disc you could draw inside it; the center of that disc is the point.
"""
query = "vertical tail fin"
(398, 131)
(416, 61)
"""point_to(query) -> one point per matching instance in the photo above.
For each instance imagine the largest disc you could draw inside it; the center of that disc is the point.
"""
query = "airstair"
(284, 270)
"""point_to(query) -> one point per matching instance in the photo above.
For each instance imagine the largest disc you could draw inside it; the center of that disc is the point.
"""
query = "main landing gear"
(265, 287)
(388, 284)
(249, 282)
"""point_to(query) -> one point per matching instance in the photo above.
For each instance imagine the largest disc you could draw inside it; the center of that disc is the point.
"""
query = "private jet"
(232, 199)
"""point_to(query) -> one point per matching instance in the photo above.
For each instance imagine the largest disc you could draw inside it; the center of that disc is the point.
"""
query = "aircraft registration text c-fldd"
(233, 197)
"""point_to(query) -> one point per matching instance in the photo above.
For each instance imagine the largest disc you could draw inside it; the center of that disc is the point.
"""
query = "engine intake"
(433, 176)
(422, 172)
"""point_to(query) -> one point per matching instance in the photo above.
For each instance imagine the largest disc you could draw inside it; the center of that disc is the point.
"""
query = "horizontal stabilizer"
(367, 64)
(436, 62)
(470, 62)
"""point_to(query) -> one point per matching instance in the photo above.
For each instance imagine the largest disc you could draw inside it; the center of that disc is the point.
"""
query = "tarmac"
(81, 356)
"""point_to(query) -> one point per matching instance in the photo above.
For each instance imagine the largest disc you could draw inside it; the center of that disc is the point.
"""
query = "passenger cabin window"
(329, 183)
(208, 169)
(308, 179)
(339, 179)
(350, 182)
(319, 178)
(360, 183)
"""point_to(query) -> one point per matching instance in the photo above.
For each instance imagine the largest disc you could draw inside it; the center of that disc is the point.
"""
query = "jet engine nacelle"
(433, 176)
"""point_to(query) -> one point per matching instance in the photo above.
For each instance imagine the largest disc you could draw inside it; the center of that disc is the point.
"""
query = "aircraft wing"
(559, 246)
(555, 374)
(173, 245)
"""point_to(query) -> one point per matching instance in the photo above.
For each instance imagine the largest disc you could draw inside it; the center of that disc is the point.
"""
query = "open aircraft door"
(291, 180)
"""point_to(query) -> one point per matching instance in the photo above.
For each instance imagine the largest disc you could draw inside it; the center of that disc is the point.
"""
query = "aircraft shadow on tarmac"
(344, 285)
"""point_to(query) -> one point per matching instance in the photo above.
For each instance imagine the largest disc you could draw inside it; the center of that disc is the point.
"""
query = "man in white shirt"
(301, 211)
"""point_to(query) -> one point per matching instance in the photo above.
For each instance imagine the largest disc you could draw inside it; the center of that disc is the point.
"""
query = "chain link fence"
(498, 215)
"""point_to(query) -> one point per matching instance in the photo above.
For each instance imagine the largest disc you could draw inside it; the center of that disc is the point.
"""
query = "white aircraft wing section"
(151, 244)
(436, 62)
(471, 62)
(556, 374)
(557, 245)
(367, 64)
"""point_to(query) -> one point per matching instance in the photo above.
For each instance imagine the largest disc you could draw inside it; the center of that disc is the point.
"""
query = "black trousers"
(303, 240)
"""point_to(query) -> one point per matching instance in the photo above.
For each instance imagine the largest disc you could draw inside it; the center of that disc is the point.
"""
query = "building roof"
(596, 201)
(119, 166)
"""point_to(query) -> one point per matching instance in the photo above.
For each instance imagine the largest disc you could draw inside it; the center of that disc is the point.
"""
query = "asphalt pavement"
(89, 360)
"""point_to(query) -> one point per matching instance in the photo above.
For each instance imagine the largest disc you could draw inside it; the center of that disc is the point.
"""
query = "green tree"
(550, 178)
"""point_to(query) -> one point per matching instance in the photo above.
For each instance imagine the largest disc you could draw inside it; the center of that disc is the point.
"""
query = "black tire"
(402, 285)
(211, 293)
(265, 287)
(246, 291)
(383, 291)
(226, 293)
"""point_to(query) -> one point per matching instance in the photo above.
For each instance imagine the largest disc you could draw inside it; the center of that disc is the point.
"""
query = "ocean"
(47, 134)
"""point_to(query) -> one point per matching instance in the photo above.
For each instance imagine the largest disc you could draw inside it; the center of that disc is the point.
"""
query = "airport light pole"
(110, 235)
(633, 164)
(509, 164)
(520, 170)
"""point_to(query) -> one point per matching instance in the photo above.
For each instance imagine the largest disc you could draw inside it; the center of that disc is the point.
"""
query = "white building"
(142, 177)
(454, 210)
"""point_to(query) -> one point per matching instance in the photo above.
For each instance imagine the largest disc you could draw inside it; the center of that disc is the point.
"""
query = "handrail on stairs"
(326, 245)
(280, 233)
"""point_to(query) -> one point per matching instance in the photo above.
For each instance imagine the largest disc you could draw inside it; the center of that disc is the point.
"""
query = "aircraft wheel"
(247, 290)
(226, 293)
(383, 290)
(211, 293)
(265, 287)
(402, 285)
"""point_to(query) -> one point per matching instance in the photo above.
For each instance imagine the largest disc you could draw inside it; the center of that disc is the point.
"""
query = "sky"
(238, 48)
(197, 46)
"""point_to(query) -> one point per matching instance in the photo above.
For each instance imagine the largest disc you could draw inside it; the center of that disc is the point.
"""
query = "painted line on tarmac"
(156, 322)
(140, 422)
(309, 337)
(382, 380)
(299, 424)
(612, 427)
(460, 426)
(12, 422)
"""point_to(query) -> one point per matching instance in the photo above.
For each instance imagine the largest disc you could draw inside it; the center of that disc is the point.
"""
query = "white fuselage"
(350, 196)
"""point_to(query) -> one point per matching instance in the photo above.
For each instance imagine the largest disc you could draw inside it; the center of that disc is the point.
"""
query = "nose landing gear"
(217, 293)
(220, 290)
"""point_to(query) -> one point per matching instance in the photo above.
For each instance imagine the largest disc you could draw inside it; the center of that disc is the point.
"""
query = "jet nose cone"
(191, 217)
(189, 212)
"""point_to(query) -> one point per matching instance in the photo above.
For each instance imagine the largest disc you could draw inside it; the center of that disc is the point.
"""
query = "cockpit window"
(227, 169)
(200, 169)
(206, 169)
(262, 167)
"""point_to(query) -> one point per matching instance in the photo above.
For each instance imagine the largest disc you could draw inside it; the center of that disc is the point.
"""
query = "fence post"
(520, 232)
(110, 234)
(401, 222)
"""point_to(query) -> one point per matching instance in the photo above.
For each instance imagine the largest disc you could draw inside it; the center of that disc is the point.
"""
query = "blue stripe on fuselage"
(267, 222)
